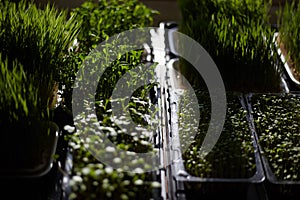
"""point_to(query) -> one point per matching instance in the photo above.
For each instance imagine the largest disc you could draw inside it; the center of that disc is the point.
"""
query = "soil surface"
(290, 62)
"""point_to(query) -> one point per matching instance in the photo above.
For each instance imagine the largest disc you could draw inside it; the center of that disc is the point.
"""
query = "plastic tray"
(18, 161)
(214, 188)
(276, 189)
(292, 83)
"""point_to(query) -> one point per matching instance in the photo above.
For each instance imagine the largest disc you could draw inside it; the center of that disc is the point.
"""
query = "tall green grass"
(18, 99)
(34, 43)
(38, 39)
(238, 36)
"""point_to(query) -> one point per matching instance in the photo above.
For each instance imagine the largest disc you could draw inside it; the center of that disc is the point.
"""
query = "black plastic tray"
(292, 83)
(214, 188)
(17, 162)
(276, 189)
